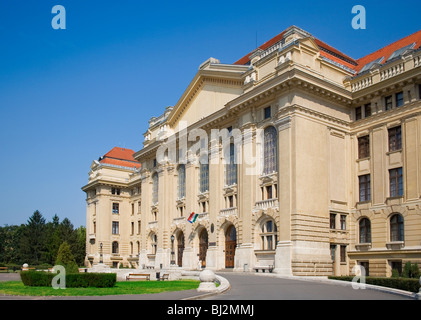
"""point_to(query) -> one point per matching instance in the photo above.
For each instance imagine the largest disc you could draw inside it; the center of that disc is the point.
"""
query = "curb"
(224, 286)
(361, 286)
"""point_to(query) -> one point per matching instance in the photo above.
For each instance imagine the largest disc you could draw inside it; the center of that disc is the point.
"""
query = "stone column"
(283, 255)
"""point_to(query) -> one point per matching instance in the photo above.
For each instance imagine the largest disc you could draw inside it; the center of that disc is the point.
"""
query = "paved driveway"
(261, 287)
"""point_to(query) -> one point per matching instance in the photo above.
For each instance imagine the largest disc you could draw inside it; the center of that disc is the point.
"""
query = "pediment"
(211, 89)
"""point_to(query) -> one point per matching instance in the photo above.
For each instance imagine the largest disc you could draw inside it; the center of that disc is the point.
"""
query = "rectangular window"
(395, 138)
(364, 187)
(132, 208)
(367, 110)
(138, 227)
(363, 147)
(132, 228)
(269, 192)
(332, 221)
(115, 227)
(358, 113)
(343, 222)
(268, 113)
(115, 191)
(230, 201)
(388, 102)
(332, 252)
(399, 99)
(116, 208)
(396, 182)
(343, 253)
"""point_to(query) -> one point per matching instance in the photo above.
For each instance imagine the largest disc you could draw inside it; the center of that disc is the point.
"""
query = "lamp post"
(172, 250)
(100, 253)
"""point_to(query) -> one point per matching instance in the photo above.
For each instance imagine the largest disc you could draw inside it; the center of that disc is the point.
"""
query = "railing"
(202, 216)
(387, 71)
(228, 212)
(179, 220)
(266, 204)
(361, 84)
(392, 71)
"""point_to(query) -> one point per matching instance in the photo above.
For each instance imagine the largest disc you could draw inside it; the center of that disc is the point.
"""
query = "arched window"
(396, 228)
(155, 188)
(181, 181)
(115, 247)
(365, 230)
(231, 167)
(269, 235)
(270, 159)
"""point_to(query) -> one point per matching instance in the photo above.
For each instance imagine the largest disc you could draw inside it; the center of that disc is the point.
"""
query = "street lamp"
(172, 250)
(100, 253)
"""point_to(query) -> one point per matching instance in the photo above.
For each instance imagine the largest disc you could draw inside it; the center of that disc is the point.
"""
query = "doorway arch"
(230, 245)
(203, 246)
(180, 248)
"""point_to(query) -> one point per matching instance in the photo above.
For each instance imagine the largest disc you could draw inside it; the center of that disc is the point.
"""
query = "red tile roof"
(339, 57)
(387, 51)
(267, 44)
(120, 157)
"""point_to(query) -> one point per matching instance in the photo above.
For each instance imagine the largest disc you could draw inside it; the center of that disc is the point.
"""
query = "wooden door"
(180, 249)
(230, 245)
(203, 246)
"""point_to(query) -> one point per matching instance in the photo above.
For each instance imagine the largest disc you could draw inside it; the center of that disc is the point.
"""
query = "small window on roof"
(370, 64)
(401, 51)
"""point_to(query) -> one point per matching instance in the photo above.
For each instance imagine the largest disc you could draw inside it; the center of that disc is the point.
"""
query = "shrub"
(65, 258)
(73, 280)
(410, 270)
(406, 284)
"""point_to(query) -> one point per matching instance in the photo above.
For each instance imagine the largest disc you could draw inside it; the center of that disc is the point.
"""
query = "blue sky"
(69, 96)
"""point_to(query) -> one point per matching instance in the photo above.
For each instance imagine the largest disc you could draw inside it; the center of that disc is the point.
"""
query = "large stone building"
(296, 156)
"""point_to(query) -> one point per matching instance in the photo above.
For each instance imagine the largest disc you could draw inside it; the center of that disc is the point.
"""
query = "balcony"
(386, 71)
(228, 212)
(266, 204)
(202, 216)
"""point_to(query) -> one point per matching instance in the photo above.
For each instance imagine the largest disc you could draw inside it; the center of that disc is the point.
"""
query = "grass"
(122, 287)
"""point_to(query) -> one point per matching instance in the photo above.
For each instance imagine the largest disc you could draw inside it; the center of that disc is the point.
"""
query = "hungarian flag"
(192, 217)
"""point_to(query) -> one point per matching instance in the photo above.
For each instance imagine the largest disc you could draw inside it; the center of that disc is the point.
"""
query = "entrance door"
(230, 244)
(180, 249)
(203, 246)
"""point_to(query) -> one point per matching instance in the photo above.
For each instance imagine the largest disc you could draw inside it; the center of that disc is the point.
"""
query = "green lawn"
(124, 287)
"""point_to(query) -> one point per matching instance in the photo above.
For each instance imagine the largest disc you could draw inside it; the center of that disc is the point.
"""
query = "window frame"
(364, 147)
(364, 184)
(399, 99)
(395, 138)
(388, 102)
(364, 231)
(270, 150)
(115, 228)
(397, 228)
(396, 182)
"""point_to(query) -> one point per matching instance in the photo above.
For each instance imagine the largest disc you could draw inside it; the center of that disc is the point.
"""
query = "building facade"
(296, 156)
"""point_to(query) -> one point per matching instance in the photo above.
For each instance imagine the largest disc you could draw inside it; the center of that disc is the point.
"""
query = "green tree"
(80, 247)
(65, 258)
(32, 242)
